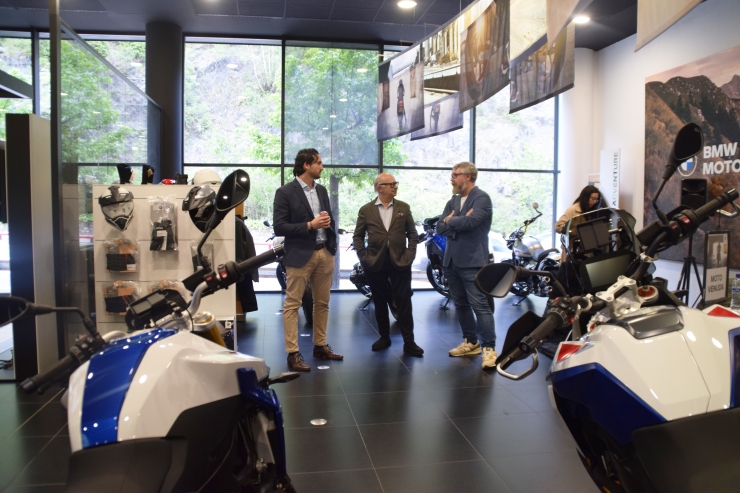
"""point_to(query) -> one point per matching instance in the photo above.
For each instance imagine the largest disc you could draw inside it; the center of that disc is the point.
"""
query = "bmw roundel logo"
(688, 167)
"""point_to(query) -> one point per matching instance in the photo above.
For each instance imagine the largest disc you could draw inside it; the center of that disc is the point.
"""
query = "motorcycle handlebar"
(707, 210)
(44, 380)
(531, 342)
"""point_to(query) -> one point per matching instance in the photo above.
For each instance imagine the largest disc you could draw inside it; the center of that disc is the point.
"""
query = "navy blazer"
(290, 217)
(467, 236)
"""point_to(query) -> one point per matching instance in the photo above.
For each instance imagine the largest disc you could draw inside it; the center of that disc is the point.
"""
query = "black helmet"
(200, 204)
(118, 207)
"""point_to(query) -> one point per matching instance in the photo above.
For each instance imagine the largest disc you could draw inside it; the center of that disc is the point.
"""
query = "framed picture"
(716, 266)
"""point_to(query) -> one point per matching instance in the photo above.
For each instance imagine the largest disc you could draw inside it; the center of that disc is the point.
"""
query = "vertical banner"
(609, 166)
(656, 16)
(484, 59)
(400, 95)
(706, 92)
(440, 117)
(541, 72)
(716, 266)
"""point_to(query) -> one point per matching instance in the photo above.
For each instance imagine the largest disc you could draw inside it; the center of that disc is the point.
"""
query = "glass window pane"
(512, 195)
(232, 103)
(442, 151)
(524, 140)
(331, 104)
(15, 59)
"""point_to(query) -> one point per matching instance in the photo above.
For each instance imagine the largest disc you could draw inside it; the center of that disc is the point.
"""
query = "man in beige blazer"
(391, 248)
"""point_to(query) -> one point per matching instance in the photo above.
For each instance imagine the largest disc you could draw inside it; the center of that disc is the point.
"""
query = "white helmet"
(206, 177)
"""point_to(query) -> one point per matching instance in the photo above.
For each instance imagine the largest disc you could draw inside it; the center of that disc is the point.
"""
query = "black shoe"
(412, 349)
(382, 343)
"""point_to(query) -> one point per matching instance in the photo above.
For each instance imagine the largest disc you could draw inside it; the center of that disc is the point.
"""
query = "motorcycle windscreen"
(520, 329)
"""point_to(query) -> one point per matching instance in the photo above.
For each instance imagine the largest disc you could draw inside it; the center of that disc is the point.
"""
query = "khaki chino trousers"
(319, 271)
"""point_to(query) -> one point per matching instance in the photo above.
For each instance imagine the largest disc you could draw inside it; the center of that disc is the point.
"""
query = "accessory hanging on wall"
(118, 295)
(121, 255)
(118, 207)
(200, 205)
(163, 214)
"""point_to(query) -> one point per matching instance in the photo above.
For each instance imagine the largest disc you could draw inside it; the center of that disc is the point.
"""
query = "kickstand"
(363, 307)
(447, 302)
(519, 303)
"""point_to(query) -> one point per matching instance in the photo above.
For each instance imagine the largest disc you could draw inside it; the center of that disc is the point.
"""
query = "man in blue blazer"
(302, 214)
(466, 222)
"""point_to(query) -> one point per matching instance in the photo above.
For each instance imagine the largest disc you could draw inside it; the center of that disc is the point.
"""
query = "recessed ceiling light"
(135, 64)
(342, 100)
(332, 116)
(582, 19)
(231, 65)
(407, 4)
(325, 128)
(362, 70)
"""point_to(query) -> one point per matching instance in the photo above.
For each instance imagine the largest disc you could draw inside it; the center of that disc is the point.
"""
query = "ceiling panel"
(321, 3)
(357, 15)
(364, 4)
(307, 12)
(215, 7)
(396, 16)
(261, 9)
(80, 5)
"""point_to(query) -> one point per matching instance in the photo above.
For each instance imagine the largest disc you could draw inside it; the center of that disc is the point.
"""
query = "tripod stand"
(684, 281)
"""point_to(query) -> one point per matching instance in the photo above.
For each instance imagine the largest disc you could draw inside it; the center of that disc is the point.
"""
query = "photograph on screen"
(400, 95)
(541, 72)
(484, 59)
(440, 116)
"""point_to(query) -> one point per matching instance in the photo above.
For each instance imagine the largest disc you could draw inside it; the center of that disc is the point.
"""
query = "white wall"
(619, 86)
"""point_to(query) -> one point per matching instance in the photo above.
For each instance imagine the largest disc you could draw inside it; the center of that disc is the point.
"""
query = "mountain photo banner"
(706, 92)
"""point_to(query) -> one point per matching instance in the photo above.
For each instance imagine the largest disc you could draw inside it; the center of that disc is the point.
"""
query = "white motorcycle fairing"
(137, 387)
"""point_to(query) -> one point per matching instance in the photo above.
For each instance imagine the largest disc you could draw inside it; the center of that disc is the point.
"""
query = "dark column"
(164, 76)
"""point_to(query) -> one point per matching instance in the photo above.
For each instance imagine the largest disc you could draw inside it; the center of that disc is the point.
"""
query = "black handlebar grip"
(43, 380)
(258, 261)
(708, 209)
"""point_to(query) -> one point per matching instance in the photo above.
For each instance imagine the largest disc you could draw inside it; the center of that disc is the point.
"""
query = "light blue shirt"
(386, 213)
(313, 201)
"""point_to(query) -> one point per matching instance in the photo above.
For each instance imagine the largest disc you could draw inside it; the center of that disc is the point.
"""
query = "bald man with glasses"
(391, 248)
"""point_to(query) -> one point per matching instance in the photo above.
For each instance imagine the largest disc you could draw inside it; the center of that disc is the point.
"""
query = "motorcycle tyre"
(307, 304)
(434, 274)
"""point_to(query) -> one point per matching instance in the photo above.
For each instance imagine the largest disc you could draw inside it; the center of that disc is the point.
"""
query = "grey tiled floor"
(395, 423)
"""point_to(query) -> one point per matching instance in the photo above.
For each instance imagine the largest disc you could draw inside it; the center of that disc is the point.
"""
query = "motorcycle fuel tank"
(527, 246)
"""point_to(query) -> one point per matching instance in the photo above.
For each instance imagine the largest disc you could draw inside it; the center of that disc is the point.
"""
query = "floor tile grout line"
(476, 451)
(372, 463)
(32, 416)
(38, 453)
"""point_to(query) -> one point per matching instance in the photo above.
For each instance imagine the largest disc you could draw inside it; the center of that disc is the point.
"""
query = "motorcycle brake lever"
(730, 214)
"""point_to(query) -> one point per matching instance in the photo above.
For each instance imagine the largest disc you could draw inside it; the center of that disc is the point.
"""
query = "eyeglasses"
(393, 184)
(455, 175)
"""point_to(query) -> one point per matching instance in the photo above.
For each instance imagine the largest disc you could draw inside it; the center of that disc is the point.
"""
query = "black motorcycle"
(527, 252)
(307, 301)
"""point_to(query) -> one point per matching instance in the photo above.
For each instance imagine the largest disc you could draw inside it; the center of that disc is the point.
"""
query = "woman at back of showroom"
(588, 200)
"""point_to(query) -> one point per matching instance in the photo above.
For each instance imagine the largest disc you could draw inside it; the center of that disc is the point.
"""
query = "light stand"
(684, 281)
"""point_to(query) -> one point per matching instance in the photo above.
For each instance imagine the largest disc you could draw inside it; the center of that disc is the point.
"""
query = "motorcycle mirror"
(496, 279)
(13, 308)
(535, 205)
(233, 191)
(688, 143)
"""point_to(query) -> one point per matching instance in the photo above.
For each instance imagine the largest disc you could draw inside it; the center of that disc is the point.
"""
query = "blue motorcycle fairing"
(440, 241)
(734, 336)
(108, 379)
(616, 408)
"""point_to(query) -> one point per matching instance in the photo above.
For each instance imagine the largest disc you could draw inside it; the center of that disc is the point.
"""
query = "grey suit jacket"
(290, 217)
(379, 240)
(467, 236)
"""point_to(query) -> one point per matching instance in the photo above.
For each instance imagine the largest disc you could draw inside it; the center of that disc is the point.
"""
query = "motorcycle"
(527, 252)
(282, 277)
(650, 391)
(358, 278)
(165, 407)
(435, 245)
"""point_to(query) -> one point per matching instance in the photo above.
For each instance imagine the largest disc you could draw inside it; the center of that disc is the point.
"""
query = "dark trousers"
(400, 289)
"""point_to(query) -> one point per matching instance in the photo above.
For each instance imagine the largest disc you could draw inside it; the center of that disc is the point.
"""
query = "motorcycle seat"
(540, 255)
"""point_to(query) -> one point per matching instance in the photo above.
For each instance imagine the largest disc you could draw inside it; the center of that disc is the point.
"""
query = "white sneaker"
(465, 349)
(489, 357)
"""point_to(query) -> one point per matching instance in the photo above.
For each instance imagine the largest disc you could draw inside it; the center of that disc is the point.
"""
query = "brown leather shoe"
(295, 362)
(325, 352)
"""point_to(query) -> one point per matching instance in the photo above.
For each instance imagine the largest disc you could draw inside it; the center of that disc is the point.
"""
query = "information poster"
(716, 266)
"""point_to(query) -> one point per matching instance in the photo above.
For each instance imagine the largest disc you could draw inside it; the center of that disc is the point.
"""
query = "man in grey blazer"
(466, 222)
(388, 255)
(302, 214)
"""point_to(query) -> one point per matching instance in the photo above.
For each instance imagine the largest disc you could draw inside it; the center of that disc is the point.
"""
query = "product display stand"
(155, 266)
